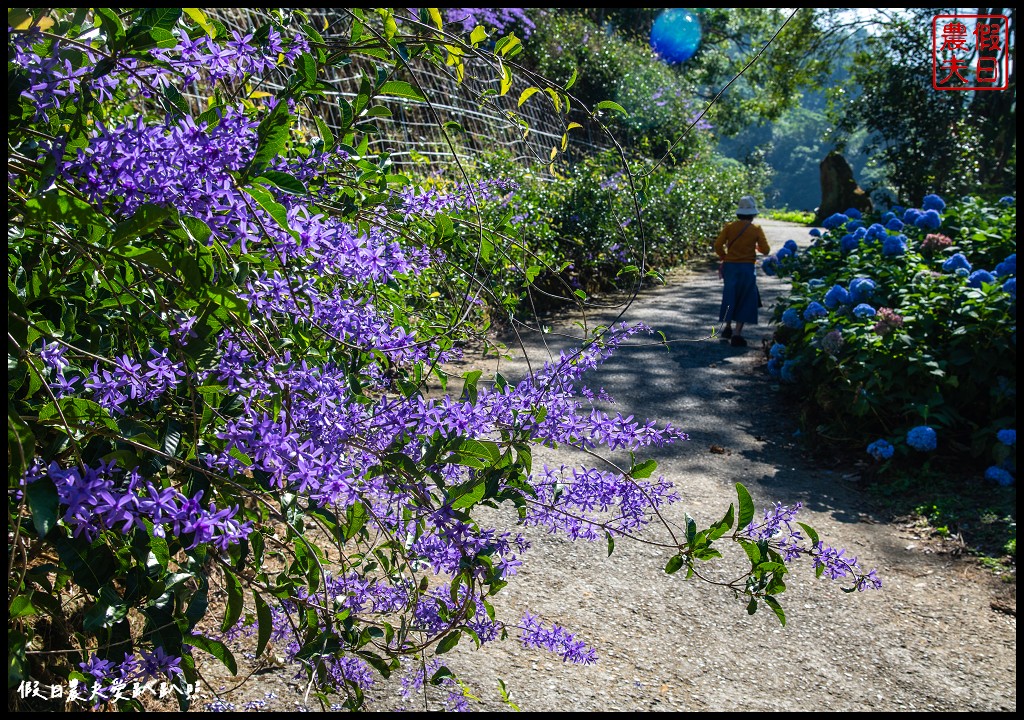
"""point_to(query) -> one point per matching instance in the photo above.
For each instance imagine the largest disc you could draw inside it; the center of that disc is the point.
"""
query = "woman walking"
(737, 247)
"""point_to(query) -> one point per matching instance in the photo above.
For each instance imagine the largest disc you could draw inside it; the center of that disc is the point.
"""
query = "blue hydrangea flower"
(1007, 266)
(876, 231)
(931, 220)
(1007, 437)
(894, 246)
(1010, 286)
(854, 224)
(999, 476)
(922, 438)
(1007, 200)
(778, 350)
(769, 265)
(784, 252)
(835, 220)
(864, 311)
(788, 371)
(911, 216)
(961, 272)
(933, 202)
(898, 210)
(775, 367)
(815, 232)
(895, 224)
(853, 213)
(849, 243)
(888, 216)
(791, 319)
(880, 450)
(980, 277)
(862, 289)
(815, 310)
(836, 296)
(791, 244)
(955, 262)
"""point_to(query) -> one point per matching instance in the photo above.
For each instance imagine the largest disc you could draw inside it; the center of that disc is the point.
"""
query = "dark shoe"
(727, 333)
(738, 341)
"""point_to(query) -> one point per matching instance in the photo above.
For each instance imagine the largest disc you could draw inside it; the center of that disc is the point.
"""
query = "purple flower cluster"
(888, 320)
(107, 498)
(777, 529)
(502, 20)
(113, 681)
(112, 389)
(533, 634)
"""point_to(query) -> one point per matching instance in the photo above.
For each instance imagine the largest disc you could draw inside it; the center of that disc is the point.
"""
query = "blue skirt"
(740, 297)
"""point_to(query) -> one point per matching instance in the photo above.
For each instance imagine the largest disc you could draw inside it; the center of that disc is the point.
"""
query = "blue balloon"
(676, 35)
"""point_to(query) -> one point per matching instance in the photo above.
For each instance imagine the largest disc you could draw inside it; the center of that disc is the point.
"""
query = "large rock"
(839, 190)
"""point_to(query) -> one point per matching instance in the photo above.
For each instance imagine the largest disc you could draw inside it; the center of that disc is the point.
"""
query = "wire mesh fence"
(415, 136)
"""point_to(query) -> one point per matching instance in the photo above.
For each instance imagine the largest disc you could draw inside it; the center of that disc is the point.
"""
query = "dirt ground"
(941, 634)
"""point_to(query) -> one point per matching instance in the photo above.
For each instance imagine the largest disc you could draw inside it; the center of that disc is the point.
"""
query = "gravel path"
(929, 640)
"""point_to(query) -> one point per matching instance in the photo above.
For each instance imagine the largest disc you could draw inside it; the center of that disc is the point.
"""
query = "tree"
(223, 314)
(956, 141)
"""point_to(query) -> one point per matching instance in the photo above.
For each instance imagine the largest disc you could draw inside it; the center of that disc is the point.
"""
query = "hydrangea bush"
(903, 329)
(223, 315)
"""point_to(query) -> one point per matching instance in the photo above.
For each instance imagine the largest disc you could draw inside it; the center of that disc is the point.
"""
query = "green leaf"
(486, 449)
(644, 469)
(527, 94)
(21, 606)
(746, 507)
(199, 17)
(233, 608)
(272, 138)
(402, 89)
(108, 610)
(776, 608)
(609, 105)
(265, 199)
(164, 18)
(722, 526)
(469, 389)
(196, 228)
(325, 134)
(752, 552)
(284, 181)
(355, 518)
(78, 411)
(111, 24)
(216, 648)
(56, 207)
(468, 493)
(674, 563)
(264, 622)
(147, 256)
(811, 534)
(144, 220)
(44, 503)
(21, 444)
(572, 79)
(478, 35)
(227, 300)
(448, 642)
(611, 542)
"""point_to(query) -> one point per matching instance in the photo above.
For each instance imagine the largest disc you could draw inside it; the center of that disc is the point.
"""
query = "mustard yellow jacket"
(739, 242)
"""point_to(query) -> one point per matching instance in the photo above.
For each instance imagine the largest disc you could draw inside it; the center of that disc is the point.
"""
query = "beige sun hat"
(746, 206)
